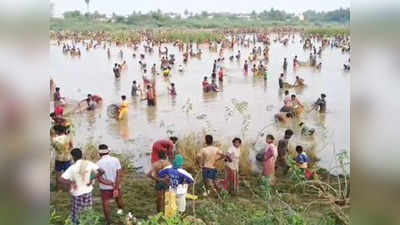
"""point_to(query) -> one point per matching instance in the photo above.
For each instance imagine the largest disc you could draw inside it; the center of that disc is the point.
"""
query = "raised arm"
(221, 155)
(152, 173)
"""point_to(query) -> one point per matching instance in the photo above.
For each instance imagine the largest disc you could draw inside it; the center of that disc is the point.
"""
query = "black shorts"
(61, 166)
(151, 102)
(160, 186)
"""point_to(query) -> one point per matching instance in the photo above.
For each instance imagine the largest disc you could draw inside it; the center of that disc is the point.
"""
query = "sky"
(125, 7)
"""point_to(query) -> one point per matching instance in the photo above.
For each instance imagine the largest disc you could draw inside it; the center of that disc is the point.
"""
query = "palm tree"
(87, 4)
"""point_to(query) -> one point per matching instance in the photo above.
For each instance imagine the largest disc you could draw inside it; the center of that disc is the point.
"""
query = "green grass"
(326, 32)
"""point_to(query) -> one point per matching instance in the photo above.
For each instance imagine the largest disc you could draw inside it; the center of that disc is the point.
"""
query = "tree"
(72, 14)
(253, 14)
(87, 4)
(186, 12)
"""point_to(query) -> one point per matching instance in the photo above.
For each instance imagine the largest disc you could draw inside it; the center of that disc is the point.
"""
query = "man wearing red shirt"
(165, 146)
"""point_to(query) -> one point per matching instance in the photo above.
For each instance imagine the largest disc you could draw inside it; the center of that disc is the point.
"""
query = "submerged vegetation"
(326, 32)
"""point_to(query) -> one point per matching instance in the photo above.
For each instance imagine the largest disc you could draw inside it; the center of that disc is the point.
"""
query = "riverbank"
(323, 201)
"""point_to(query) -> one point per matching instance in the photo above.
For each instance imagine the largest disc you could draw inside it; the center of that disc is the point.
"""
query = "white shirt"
(234, 153)
(80, 173)
(110, 165)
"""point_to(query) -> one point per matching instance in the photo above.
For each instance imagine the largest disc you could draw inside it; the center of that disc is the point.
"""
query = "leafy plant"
(295, 219)
(260, 218)
(265, 188)
(53, 217)
(160, 219)
(296, 173)
(87, 217)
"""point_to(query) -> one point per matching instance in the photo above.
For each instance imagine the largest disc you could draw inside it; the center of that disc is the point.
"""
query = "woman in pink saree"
(271, 153)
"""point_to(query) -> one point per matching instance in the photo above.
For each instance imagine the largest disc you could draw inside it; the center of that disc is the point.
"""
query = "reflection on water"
(124, 131)
(92, 73)
(151, 114)
(117, 85)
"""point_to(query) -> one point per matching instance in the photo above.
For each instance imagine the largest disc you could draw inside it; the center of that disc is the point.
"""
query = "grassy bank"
(84, 24)
(293, 201)
(328, 32)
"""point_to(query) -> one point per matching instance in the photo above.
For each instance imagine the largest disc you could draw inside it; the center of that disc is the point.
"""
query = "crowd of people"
(77, 175)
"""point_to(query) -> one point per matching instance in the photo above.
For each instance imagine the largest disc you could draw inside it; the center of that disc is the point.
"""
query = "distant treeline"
(75, 20)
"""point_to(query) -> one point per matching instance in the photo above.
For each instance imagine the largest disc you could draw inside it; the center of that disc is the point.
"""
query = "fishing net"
(112, 111)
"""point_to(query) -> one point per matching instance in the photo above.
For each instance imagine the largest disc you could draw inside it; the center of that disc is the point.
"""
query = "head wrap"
(178, 161)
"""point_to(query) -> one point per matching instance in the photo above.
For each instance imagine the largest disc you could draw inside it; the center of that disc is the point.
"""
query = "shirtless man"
(299, 82)
(58, 100)
(320, 104)
(160, 186)
(207, 158)
(92, 101)
(296, 105)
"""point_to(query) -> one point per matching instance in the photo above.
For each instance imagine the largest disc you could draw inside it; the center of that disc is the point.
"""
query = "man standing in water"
(283, 151)
(116, 70)
(281, 81)
(150, 96)
(58, 100)
(134, 89)
(110, 186)
(321, 104)
(214, 70)
(160, 186)
(285, 64)
(207, 157)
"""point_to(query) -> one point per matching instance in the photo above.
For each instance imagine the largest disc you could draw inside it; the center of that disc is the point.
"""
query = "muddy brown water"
(92, 73)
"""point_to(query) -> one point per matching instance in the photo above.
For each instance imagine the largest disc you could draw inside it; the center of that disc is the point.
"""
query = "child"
(178, 180)
(302, 161)
(231, 183)
(302, 158)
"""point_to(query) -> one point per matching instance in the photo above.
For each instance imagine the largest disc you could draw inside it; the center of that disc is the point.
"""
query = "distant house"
(244, 16)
